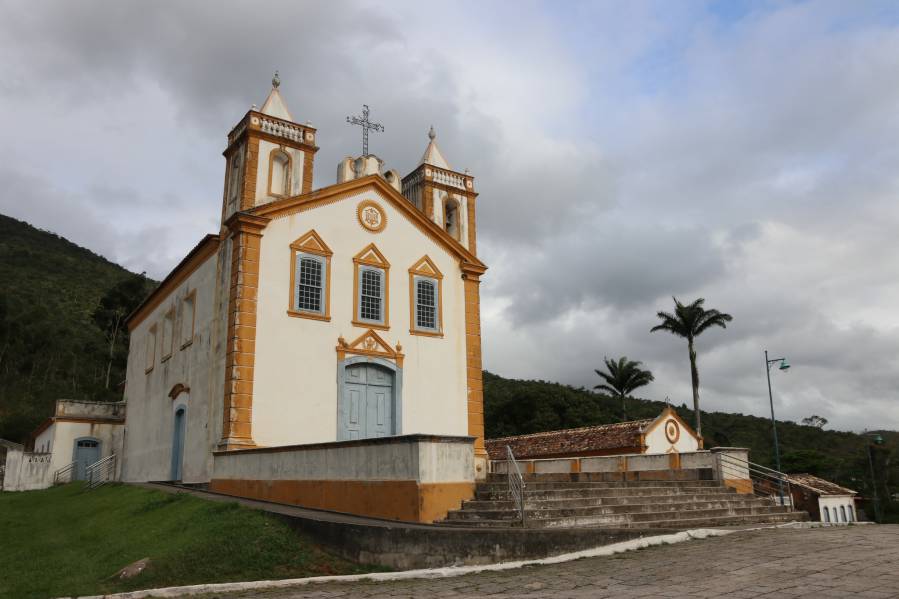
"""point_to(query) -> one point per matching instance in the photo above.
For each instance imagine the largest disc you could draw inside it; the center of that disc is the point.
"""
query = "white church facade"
(323, 348)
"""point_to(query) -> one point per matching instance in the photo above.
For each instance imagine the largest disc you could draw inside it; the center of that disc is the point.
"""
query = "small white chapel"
(323, 347)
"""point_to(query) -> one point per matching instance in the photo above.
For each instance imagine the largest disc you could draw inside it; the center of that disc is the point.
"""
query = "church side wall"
(296, 364)
(151, 412)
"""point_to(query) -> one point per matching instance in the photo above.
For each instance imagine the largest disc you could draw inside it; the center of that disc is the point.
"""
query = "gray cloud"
(623, 153)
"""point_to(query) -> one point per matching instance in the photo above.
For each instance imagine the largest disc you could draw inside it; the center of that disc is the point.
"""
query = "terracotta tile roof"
(573, 441)
(819, 485)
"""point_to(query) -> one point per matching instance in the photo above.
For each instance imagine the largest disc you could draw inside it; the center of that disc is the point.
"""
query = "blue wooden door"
(178, 444)
(87, 452)
(368, 402)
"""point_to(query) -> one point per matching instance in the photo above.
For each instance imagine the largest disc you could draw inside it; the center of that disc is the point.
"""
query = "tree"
(815, 420)
(622, 379)
(689, 321)
(115, 305)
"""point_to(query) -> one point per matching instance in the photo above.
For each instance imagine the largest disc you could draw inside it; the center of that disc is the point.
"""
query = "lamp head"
(784, 365)
(878, 440)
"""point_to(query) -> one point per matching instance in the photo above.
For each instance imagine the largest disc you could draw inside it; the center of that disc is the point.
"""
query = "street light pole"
(877, 441)
(783, 366)
(771, 401)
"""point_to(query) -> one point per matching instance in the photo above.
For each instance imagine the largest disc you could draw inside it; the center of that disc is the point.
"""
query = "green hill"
(513, 407)
(51, 347)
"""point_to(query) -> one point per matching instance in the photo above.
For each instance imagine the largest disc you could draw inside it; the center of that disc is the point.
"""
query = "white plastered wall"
(833, 503)
(64, 434)
(262, 169)
(657, 442)
(199, 366)
(295, 386)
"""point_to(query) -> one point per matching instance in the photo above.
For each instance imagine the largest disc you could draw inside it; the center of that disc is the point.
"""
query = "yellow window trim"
(310, 243)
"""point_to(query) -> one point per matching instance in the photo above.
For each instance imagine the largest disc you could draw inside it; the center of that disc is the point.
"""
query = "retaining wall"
(415, 478)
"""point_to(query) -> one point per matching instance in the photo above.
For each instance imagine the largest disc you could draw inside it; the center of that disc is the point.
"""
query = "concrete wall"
(90, 409)
(197, 365)
(295, 385)
(411, 477)
(833, 503)
(637, 462)
(24, 470)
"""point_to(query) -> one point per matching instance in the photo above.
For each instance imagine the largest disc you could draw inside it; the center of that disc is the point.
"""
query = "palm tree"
(622, 378)
(689, 322)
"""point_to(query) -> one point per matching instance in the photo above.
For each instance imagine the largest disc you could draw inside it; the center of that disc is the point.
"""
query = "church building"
(323, 347)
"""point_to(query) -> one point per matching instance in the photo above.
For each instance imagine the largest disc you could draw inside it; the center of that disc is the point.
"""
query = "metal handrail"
(766, 482)
(101, 472)
(66, 470)
(516, 483)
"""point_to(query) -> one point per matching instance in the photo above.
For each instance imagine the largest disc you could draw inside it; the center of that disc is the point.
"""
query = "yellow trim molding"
(370, 344)
(310, 243)
(425, 267)
(367, 218)
(371, 256)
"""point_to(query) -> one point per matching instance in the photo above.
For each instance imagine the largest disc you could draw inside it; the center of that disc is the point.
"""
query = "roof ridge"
(571, 430)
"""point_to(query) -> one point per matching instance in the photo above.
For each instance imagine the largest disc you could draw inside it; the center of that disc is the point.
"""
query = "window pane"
(309, 291)
(370, 300)
(425, 305)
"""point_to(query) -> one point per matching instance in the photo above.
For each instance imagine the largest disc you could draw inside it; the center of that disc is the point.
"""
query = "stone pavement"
(847, 561)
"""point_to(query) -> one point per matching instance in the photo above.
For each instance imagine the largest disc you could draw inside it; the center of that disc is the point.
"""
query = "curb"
(606, 550)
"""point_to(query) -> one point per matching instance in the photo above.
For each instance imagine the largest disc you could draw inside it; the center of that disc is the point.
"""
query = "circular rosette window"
(672, 431)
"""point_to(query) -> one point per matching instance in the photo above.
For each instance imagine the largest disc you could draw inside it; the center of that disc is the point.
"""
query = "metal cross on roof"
(366, 125)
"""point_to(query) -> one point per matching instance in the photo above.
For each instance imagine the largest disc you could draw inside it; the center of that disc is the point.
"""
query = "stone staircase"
(671, 499)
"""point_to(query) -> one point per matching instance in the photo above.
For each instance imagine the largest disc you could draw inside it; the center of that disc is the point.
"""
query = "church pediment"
(352, 189)
(372, 256)
(426, 268)
(312, 243)
(370, 344)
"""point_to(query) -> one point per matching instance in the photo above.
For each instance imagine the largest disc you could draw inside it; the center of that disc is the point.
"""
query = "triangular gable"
(426, 267)
(670, 412)
(334, 193)
(371, 344)
(372, 256)
(312, 243)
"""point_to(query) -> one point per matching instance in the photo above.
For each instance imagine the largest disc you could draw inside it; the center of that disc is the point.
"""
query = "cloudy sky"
(625, 152)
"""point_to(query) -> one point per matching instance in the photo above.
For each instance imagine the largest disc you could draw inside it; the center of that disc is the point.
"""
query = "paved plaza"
(848, 561)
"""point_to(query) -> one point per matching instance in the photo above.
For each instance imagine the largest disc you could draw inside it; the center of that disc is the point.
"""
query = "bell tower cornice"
(274, 129)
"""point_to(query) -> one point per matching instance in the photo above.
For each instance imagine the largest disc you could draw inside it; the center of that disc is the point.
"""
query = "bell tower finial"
(276, 80)
(432, 135)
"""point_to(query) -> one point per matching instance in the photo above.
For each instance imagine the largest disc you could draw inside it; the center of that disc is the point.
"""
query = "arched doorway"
(368, 406)
(87, 452)
(178, 442)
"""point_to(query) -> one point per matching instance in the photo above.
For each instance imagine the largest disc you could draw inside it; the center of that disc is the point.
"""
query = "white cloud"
(624, 153)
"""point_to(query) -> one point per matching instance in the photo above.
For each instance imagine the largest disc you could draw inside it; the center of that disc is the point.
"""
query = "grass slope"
(68, 541)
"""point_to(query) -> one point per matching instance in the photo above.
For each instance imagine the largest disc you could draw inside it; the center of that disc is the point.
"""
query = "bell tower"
(269, 156)
(445, 196)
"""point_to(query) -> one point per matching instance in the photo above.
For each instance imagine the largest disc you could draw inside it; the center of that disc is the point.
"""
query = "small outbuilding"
(667, 433)
(823, 500)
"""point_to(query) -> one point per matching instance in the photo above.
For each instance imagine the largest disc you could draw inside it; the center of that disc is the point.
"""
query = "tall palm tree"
(690, 321)
(622, 378)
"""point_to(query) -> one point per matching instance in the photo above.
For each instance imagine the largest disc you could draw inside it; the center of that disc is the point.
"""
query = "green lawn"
(70, 541)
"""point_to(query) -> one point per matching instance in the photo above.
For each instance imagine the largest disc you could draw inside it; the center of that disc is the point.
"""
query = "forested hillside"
(61, 311)
(517, 407)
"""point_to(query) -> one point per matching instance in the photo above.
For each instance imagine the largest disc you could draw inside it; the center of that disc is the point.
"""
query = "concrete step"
(696, 519)
(591, 500)
(630, 513)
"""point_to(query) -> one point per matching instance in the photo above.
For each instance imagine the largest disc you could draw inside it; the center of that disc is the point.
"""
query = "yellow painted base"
(404, 500)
